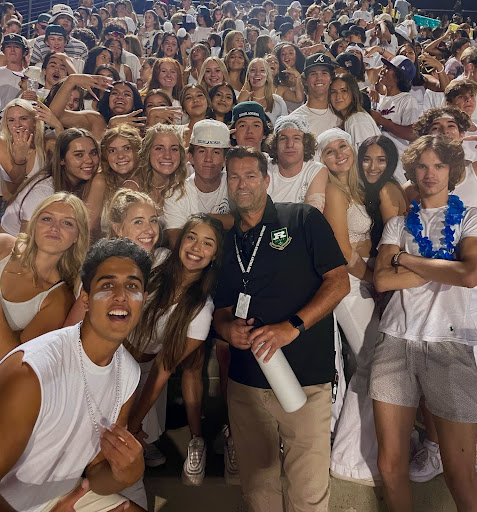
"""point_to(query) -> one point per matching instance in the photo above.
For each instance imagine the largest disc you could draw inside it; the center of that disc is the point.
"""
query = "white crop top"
(20, 314)
(359, 223)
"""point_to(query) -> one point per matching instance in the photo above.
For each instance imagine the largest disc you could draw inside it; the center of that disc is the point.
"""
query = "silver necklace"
(86, 390)
(314, 113)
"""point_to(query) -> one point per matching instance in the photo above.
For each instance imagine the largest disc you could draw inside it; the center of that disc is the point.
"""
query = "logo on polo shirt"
(280, 239)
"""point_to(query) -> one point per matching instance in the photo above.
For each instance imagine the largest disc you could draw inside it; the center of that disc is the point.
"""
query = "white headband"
(330, 136)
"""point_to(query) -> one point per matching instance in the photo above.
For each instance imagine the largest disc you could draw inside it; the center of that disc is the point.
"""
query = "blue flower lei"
(454, 215)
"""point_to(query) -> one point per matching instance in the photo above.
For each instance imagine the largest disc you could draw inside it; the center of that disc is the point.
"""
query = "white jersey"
(177, 210)
(292, 190)
(64, 440)
(360, 126)
(432, 312)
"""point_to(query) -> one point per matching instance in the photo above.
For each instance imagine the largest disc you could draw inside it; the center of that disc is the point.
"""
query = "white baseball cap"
(295, 5)
(210, 133)
(61, 10)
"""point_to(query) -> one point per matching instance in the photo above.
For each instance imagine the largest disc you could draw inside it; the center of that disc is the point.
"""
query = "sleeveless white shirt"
(64, 440)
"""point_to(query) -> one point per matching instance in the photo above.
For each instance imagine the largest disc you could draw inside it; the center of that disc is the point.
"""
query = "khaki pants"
(92, 502)
(258, 422)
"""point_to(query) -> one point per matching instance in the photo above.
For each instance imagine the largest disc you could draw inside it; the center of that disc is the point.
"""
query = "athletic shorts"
(444, 372)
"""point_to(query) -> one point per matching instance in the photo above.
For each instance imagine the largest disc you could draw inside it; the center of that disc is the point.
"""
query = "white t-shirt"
(178, 210)
(467, 189)
(25, 203)
(401, 109)
(431, 312)
(64, 440)
(279, 108)
(9, 85)
(361, 126)
(319, 120)
(292, 190)
(433, 99)
(198, 329)
(133, 62)
(201, 34)
(362, 15)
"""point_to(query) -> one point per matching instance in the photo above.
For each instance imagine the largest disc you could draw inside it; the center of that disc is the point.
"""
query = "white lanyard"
(252, 259)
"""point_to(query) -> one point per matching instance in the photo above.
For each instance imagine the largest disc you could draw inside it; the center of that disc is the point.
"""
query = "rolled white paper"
(282, 380)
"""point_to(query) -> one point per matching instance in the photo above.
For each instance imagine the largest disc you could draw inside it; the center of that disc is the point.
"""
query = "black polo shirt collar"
(269, 216)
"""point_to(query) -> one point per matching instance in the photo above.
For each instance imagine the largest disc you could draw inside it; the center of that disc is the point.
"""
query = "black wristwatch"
(297, 323)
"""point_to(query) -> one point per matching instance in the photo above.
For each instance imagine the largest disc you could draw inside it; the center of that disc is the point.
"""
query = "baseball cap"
(55, 30)
(44, 18)
(210, 133)
(354, 30)
(248, 109)
(403, 31)
(292, 121)
(61, 10)
(350, 62)
(15, 39)
(402, 65)
(285, 27)
(319, 59)
(330, 136)
(296, 5)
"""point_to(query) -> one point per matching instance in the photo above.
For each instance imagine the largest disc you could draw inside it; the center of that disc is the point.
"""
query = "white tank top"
(467, 190)
(359, 223)
(20, 314)
(64, 440)
(34, 170)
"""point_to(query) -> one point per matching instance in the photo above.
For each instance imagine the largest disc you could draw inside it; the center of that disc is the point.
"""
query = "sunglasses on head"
(117, 34)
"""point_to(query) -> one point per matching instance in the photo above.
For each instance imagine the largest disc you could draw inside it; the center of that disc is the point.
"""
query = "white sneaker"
(153, 457)
(193, 471)
(425, 465)
(231, 473)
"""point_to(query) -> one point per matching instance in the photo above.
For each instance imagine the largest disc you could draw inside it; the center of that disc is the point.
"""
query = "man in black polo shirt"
(283, 273)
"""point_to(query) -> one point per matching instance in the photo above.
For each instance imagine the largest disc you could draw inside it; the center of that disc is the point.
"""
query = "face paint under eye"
(104, 295)
(136, 295)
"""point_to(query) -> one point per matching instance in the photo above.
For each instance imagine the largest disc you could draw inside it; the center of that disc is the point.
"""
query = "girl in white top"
(195, 102)
(346, 102)
(73, 168)
(354, 454)
(176, 321)
(117, 51)
(39, 269)
(198, 54)
(22, 148)
(213, 72)
(148, 31)
(259, 87)
(167, 75)
(119, 159)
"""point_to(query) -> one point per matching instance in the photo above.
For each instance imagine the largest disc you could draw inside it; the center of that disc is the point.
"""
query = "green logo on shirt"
(280, 239)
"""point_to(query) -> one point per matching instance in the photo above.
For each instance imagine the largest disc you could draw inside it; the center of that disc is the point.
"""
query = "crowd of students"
(121, 125)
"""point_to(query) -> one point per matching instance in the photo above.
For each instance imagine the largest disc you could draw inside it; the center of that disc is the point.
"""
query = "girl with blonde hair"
(213, 72)
(162, 164)
(39, 270)
(353, 456)
(259, 87)
(22, 146)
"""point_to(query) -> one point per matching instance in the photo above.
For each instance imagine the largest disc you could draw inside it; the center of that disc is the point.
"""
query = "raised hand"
(163, 115)
(22, 140)
(130, 118)
(90, 82)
